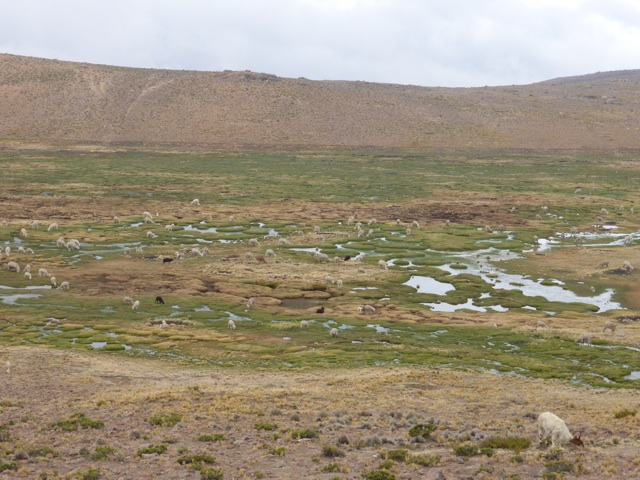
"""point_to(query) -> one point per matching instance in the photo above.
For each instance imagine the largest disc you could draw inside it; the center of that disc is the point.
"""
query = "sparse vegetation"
(77, 420)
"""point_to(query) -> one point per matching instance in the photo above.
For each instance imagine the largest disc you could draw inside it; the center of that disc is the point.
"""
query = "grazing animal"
(550, 425)
(333, 332)
(64, 286)
(540, 324)
(339, 284)
(231, 325)
(54, 282)
(195, 201)
(136, 305)
(53, 226)
(251, 302)
(382, 264)
(116, 219)
(347, 258)
(584, 339)
(304, 324)
(369, 309)
(159, 300)
(320, 310)
(609, 326)
(27, 275)
(167, 260)
(23, 232)
(13, 267)
(7, 367)
(127, 300)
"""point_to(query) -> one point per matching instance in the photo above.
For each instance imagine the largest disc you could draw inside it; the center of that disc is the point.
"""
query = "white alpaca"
(136, 305)
(333, 332)
(231, 325)
(304, 324)
(553, 426)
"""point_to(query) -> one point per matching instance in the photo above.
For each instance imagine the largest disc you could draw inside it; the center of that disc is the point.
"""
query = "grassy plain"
(403, 364)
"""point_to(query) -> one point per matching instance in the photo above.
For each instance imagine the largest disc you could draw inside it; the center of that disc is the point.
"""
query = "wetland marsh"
(503, 244)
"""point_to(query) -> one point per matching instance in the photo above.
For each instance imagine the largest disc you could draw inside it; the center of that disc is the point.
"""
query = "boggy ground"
(253, 419)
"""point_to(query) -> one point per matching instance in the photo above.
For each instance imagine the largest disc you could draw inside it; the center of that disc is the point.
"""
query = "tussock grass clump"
(624, 413)
(399, 455)
(76, 421)
(303, 433)
(378, 475)
(422, 430)
(4, 466)
(215, 437)
(424, 460)
(266, 426)
(91, 473)
(197, 460)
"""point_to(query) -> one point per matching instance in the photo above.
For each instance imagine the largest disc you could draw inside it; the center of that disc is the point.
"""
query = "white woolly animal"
(116, 219)
(333, 332)
(13, 267)
(251, 302)
(7, 367)
(27, 275)
(64, 286)
(7, 251)
(550, 425)
(23, 232)
(53, 281)
(43, 273)
(195, 201)
(231, 325)
(382, 264)
(339, 284)
(127, 300)
(53, 226)
(304, 324)
(135, 305)
(27, 268)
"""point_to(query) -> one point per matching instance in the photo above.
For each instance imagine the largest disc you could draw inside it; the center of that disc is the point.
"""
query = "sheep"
(626, 266)
(64, 286)
(544, 208)
(116, 219)
(195, 201)
(179, 256)
(71, 245)
(149, 220)
(232, 218)
(361, 234)
(53, 226)
(159, 300)
(628, 239)
(604, 264)
(501, 228)
(408, 231)
(195, 252)
(23, 232)
(328, 280)
(360, 309)
(339, 284)
(316, 229)
(333, 332)
(540, 324)
(27, 275)
(127, 300)
(169, 228)
(609, 326)
(139, 249)
(253, 242)
(350, 220)
(7, 251)
(370, 233)
(249, 257)
(373, 221)
(361, 270)
(164, 324)
(54, 282)
(578, 190)
(304, 324)
(150, 234)
(21, 250)
(538, 217)
(284, 241)
(29, 251)
(369, 309)
(337, 260)
(27, 268)
(322, 257)
(43, 272)
(398, 221)
(251, 302)
(382, 264)
(127, 251)
(231, 325)
(553, 426)
(135, 305)
(604, 211)
(584, 339)
(61, 242)
(270, 253)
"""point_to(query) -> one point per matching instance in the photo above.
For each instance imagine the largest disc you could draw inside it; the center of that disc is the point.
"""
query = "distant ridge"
(66, 103)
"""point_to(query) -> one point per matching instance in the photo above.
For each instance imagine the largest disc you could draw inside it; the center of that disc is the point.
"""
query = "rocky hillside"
(49, 101)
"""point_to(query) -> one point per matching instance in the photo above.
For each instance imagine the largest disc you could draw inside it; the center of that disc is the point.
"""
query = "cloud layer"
(453, 43)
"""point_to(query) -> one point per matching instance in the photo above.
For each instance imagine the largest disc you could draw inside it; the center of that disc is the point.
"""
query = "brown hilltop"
(64, 102)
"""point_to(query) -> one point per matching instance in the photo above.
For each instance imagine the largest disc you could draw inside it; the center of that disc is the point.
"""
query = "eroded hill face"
(64, 102)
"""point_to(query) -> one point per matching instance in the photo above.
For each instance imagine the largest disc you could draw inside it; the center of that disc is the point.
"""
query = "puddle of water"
(429, 285)
(13, 299)
(204, 308)
(448, 307)
(201, 230)
(379, 328)
(633, 376)
(98, 344)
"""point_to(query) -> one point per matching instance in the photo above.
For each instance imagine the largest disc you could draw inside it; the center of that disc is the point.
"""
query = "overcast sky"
(453, 43)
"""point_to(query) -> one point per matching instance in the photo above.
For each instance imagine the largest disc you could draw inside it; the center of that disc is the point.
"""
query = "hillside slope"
(64, 102)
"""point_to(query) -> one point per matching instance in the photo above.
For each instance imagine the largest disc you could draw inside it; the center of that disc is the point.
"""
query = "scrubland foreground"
(322, 315)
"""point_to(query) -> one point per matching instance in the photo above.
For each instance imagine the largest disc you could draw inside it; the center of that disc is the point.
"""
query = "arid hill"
(70, 103)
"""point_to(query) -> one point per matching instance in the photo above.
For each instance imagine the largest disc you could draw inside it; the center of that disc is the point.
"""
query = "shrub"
(103, 452)
(276, 451)
(332, 467)
(397, 455)
(304, 433)
(165, 419)
(424, 460)
(466, 450)
(90, 474)
(75, 421)
(507, 443)
(379, 475)
(42, 451)
(559, 466)
(198, 460)
(266, 426)
(159, 449)
(332, 452)
(8, 465)
(422, 430)
(211, 473)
